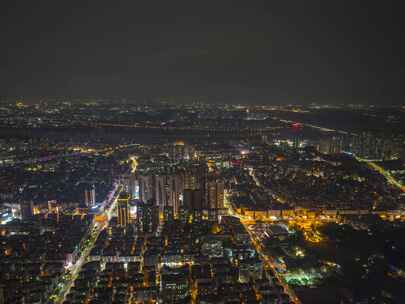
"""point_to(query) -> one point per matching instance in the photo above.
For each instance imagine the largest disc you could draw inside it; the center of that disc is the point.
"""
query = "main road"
(107, 209)
(268, 260)
(72, 271)
(390, 179)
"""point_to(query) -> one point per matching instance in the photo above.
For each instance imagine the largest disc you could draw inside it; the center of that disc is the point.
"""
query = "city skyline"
(128, 203)
(215, 152)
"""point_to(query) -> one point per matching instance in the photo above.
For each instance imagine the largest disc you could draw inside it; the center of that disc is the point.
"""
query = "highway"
(390, 179)
(86, 245)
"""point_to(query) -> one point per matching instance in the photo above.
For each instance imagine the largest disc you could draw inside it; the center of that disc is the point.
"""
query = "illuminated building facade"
(174, 283)
(26, 210)
(168, 186)
(123, 210)
(215, 197)
(332, 145)
(146, 185)
(147, 217)
(90, 196)
(193, 202)
(169, 189)
(196, 176)
(178, 152)
(250, 269)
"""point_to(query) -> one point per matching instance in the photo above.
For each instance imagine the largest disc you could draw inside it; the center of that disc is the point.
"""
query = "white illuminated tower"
(90, 196)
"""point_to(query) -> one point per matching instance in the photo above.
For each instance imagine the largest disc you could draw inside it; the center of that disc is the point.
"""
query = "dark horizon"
(235, 52)
(189, 100)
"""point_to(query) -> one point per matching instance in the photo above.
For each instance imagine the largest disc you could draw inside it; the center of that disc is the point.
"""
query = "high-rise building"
(90, 196)
(131, 184)
(193, 203)
(183, 214)
(52, 206)
(168, 192)
(250, 269)
(2, 297)
(146, 187)
(125, 181)
(196, 179)
(26, 209)
(174, 284)
(147, 217)
(178, 152)
(195, 176)
(215, 197)
(402, 157)
(123, 209)
(369, 145)
(168, 214)
(134, 187)
(331, 145)
(166, 187)
(296, 134)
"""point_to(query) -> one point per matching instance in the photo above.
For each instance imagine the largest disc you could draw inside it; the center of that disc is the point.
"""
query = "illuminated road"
(258, 184)
(268, 260)
(86, 245)
(107, 209)
(390, 179)
(305, 224)
(371, 164)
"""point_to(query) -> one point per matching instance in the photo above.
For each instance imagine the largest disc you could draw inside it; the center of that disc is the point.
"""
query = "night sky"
(235, 51)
